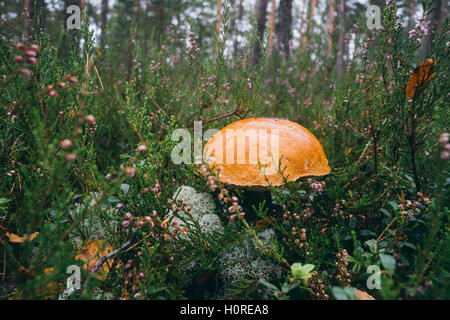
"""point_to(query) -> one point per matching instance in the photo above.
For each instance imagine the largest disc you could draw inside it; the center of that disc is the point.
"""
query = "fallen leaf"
(90, 253)
(14, 238)
(362, 295)
(419, 78)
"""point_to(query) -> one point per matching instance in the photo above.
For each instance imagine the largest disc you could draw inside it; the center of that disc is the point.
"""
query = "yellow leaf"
(17, 239)
(419, 78)
(90, 253)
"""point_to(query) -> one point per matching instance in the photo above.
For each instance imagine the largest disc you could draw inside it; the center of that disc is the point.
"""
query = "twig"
(237, 111)
(108, 256)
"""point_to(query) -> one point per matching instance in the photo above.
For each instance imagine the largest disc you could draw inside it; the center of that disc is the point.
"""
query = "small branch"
(108, 256)
(237, 111)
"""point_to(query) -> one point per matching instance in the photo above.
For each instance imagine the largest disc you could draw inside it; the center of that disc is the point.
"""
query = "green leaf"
(302, 272)
(344, 293)
(124, 187)
(388, 262)
(387, 213)
(372, 244)
(268, 284)
(393, 204)
(308, 267)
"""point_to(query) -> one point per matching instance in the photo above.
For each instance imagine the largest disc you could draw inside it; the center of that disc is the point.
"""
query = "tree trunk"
(284, 29)
(72, 32)
(433, 23)
(341, 45)
(162, 19)
(331, 10)
(104, 13)
(302, 21)
(260, 17)
(31, 23)
(236, 38)
(273, 10)
(307, 35)
(412, 10)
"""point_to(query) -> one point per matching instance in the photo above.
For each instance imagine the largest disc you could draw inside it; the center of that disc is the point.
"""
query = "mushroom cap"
(253, 152)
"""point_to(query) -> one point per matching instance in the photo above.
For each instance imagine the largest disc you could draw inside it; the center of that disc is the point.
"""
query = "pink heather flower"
(66, 144)
(125, 223)
(142, 148)
(53, 93)
(32, 60)
(445, 155)
(18, 59)
(90, 119)
(128, 216)
(318, 187)
(30, 53)
(443, 139)
(71, 157)
(73, 79)
(130, 171)
(20, 46)
(139, 224)
(25, 72)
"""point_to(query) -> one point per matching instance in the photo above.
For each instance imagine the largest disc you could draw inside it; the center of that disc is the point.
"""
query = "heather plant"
(87, 177)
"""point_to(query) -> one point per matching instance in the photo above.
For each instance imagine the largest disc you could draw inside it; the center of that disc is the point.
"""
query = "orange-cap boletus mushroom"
(253, 152)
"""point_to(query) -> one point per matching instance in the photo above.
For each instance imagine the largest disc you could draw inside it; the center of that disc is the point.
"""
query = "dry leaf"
(90, 253)
(362, 295)
(17, 239)
(261, 224)
(419, 78)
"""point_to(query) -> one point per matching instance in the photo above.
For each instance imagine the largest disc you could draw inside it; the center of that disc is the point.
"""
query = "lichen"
(203, 208)
(237, 262)
(244, 259)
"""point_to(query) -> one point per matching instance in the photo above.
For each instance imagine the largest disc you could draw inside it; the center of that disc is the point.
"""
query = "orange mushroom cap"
(253, 152)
